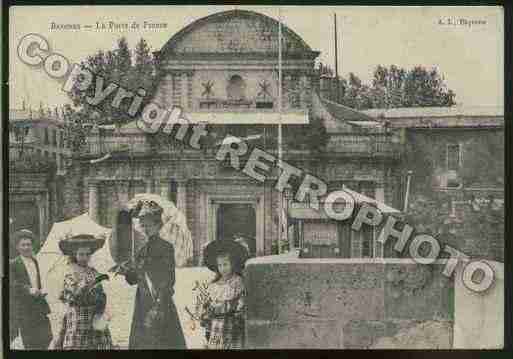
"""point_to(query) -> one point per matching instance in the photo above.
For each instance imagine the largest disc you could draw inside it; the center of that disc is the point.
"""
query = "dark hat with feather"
(145, 208)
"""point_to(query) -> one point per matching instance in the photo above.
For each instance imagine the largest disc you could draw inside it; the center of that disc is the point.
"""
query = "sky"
(471, 58)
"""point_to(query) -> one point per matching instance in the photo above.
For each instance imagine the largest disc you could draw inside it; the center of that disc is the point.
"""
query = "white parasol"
(174, 229)
(53, 264)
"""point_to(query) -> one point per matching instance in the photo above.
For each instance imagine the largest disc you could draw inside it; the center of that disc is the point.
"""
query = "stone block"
(416, 335)
(301, 334)
(288, 291)
(415, 291)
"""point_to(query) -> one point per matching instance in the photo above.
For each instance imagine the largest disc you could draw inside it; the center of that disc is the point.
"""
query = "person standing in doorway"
(28, 307)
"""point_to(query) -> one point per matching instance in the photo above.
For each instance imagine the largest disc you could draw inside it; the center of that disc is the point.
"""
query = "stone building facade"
(37, 162)
(223, 68)
(456, 159)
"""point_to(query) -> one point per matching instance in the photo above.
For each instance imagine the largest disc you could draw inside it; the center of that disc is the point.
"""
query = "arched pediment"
(235, 31)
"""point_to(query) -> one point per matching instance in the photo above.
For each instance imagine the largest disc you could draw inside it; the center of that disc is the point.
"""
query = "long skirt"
(79, 333)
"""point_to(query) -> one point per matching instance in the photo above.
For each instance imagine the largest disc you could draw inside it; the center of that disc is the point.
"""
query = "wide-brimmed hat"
(146, 208)
(69, 245)
(237, 252)
(23, 234)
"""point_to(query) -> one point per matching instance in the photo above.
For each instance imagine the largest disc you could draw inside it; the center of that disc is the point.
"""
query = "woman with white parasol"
(155, 323)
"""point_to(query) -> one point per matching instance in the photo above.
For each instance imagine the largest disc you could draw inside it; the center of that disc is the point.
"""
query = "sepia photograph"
(255, 177)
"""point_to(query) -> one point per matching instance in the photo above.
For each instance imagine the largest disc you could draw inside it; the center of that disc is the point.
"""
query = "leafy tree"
(116, 66)
(424, 87)
(393, 87)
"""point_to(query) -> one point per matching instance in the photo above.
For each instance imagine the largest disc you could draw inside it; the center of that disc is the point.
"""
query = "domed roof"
(234, 31)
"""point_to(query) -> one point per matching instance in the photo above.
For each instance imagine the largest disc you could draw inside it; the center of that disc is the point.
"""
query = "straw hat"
(69, 245)
(237, 252)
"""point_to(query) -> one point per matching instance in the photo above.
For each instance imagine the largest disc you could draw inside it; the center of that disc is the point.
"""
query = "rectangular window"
(61, 139)
(264, 104)
(46, 140)
(453, 157)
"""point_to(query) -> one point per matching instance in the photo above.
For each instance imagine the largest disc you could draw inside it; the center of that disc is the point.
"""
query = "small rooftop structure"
(305, 212)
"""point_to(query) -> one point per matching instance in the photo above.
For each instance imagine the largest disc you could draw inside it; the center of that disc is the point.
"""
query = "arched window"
(236, 89)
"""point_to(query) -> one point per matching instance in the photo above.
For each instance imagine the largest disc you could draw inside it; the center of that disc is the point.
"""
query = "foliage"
(393, 87)
(77, 125)
(120, 67)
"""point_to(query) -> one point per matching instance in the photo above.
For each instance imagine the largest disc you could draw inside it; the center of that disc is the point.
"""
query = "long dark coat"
(156, 260)
(27, 313)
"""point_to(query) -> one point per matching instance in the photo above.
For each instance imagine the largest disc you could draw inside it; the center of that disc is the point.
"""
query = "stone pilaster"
(177, 89)
(123, 192)
(149, 185)
(190, 75)
(164, 188)
(305, 97)
(166, 90)
(379, 192)
(184, 94)
(41, 202)
(94, 207)
(181, 195)
(286, 91)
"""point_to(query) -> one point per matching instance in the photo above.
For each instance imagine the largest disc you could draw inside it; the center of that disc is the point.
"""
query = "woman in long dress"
(84, 298)
(155, 323)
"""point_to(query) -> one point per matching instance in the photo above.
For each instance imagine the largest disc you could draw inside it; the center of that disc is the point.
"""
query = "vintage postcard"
(255, 177)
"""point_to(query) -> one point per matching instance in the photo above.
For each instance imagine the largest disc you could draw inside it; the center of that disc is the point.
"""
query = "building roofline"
(168, 46)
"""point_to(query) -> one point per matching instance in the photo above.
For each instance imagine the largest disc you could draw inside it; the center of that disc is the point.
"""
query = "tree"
(116, 66)
(393, 87)
(426, 88)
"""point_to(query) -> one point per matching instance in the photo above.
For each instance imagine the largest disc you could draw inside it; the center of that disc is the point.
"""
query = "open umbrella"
(53, 264)
(174, 230)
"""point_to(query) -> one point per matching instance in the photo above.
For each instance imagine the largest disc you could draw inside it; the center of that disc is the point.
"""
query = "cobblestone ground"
(121, 306)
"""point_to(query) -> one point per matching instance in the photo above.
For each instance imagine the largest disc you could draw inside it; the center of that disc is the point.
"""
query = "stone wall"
(470, 217)
(347, 303)
(479, 317)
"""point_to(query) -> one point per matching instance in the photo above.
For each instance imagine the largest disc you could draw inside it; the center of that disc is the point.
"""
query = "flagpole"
(280, 154)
